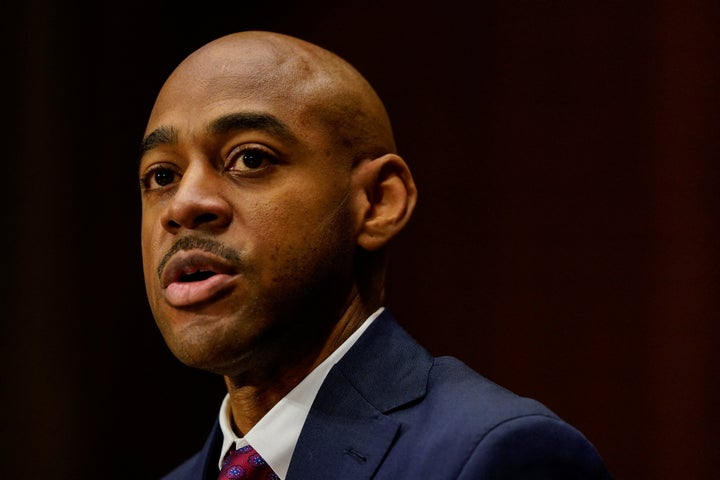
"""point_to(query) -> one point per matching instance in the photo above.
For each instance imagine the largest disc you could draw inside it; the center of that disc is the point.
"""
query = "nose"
(198, 203)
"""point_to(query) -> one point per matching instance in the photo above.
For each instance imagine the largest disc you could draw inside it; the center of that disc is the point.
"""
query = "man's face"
(247, 228)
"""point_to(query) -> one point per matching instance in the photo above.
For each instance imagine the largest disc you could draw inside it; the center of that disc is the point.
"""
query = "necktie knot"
(245, 464)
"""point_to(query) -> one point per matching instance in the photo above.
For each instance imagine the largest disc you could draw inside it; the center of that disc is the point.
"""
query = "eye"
(163, 176)
(159, 177)
(250, 159)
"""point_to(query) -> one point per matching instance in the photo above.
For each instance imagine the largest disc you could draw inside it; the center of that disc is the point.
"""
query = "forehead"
(192, 103)
(204, 112)
(316, 96)
(232, 76)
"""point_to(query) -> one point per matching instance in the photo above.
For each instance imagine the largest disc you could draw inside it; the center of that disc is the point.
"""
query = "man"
(271, 188)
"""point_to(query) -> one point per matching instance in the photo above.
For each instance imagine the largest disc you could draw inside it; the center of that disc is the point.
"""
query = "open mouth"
(191, 278)
(195, 287)
(192, 267)
(197, 276)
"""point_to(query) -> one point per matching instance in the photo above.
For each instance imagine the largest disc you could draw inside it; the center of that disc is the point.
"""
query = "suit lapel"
(343, 437)
(207, 469)
(347, 433)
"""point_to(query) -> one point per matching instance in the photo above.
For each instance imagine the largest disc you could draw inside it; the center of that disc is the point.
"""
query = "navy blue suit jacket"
(389, 410)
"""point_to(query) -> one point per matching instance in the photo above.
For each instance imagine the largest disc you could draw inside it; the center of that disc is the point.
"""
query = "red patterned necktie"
(246, 464)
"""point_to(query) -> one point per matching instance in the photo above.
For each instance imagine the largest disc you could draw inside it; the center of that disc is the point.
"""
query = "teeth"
(196, 276)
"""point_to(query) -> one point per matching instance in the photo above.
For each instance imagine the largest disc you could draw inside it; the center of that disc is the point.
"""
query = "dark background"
(565, 243)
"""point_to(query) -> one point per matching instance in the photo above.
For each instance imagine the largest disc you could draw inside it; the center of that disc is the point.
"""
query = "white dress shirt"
(275, 435)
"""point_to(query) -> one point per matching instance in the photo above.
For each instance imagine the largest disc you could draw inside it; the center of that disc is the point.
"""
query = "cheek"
(301, 223)
(150, 254)
(303, 243)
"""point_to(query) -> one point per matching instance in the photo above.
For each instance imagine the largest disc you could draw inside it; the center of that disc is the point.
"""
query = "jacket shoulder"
(494, 432)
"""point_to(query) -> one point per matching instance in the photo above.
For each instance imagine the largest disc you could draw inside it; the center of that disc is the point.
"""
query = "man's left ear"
(386, 197)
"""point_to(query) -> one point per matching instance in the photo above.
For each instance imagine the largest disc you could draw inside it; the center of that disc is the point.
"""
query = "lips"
(194, 277)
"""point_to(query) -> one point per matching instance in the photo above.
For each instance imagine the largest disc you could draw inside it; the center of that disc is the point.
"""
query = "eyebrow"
(251, 121)
(160, 136)
(167, 135)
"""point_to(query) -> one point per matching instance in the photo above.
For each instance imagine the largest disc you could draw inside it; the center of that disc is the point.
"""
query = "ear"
(386, 197)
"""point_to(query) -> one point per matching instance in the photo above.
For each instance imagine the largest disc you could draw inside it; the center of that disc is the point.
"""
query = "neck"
(254, 393)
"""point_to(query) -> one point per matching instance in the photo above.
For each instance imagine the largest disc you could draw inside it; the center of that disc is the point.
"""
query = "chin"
(204, 357)
(211, 348)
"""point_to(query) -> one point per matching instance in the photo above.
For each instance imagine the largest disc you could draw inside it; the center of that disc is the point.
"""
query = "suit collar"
(347, 433)
(386, 366)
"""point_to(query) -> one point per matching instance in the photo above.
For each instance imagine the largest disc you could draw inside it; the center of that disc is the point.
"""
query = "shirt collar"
(275, 435)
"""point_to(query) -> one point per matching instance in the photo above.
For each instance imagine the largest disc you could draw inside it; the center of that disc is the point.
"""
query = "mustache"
(199, 243)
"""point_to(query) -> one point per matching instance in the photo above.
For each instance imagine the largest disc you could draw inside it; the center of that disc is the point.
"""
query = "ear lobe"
(388, 196)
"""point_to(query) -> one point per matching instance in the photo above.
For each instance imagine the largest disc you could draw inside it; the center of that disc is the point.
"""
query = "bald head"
(272, 68)
(269, 164)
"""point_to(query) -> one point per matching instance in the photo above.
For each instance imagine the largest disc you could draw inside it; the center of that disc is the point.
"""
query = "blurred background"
(565, 242)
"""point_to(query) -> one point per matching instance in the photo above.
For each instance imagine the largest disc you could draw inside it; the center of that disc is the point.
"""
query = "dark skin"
(270, 190)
